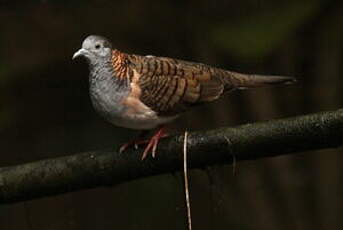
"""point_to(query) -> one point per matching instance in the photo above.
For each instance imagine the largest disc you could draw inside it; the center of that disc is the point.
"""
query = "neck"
(106, 90)
(103, 74)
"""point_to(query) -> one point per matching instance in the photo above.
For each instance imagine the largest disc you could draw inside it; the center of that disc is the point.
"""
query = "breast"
(129, 113)
(123, 108)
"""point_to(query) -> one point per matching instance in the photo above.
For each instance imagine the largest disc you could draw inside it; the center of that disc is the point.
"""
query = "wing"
(170, 86)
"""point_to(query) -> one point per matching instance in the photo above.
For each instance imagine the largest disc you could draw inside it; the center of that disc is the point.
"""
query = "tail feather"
(253, 81)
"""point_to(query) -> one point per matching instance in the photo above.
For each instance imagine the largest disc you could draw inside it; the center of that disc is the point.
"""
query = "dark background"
(45, 109)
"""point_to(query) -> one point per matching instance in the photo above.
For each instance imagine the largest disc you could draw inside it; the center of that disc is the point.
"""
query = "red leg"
(153, 142)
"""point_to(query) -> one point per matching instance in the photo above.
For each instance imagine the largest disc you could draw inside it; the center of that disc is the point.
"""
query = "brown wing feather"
(170, 86)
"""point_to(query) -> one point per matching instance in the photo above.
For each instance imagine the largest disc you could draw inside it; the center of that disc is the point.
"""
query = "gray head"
(95, 49)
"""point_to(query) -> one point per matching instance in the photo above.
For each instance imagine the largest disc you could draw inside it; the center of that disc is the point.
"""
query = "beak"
(80, 52)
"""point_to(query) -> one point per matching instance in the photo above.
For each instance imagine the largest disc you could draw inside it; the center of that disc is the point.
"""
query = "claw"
(152, 144)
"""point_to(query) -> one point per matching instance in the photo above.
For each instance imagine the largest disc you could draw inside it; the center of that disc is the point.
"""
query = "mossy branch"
(215, 147)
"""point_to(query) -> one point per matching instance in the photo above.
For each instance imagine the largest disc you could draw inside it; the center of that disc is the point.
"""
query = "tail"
(238, 80)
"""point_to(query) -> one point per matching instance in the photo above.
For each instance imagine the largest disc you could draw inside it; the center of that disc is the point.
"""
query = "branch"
(215, 147)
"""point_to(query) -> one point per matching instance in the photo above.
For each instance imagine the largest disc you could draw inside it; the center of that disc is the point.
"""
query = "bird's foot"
(152, 143)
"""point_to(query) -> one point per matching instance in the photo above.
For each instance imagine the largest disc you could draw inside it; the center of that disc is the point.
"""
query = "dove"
(148, 92)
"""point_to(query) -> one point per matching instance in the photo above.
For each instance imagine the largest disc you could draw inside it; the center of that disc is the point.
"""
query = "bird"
(148, 92)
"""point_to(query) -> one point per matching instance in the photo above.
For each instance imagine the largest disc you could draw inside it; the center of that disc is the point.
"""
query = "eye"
(97, 46)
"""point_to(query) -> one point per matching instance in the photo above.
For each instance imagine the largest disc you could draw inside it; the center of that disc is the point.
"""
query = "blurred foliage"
(260, 33)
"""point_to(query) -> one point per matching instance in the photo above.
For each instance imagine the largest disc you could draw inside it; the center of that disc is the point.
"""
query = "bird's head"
(94, 48)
